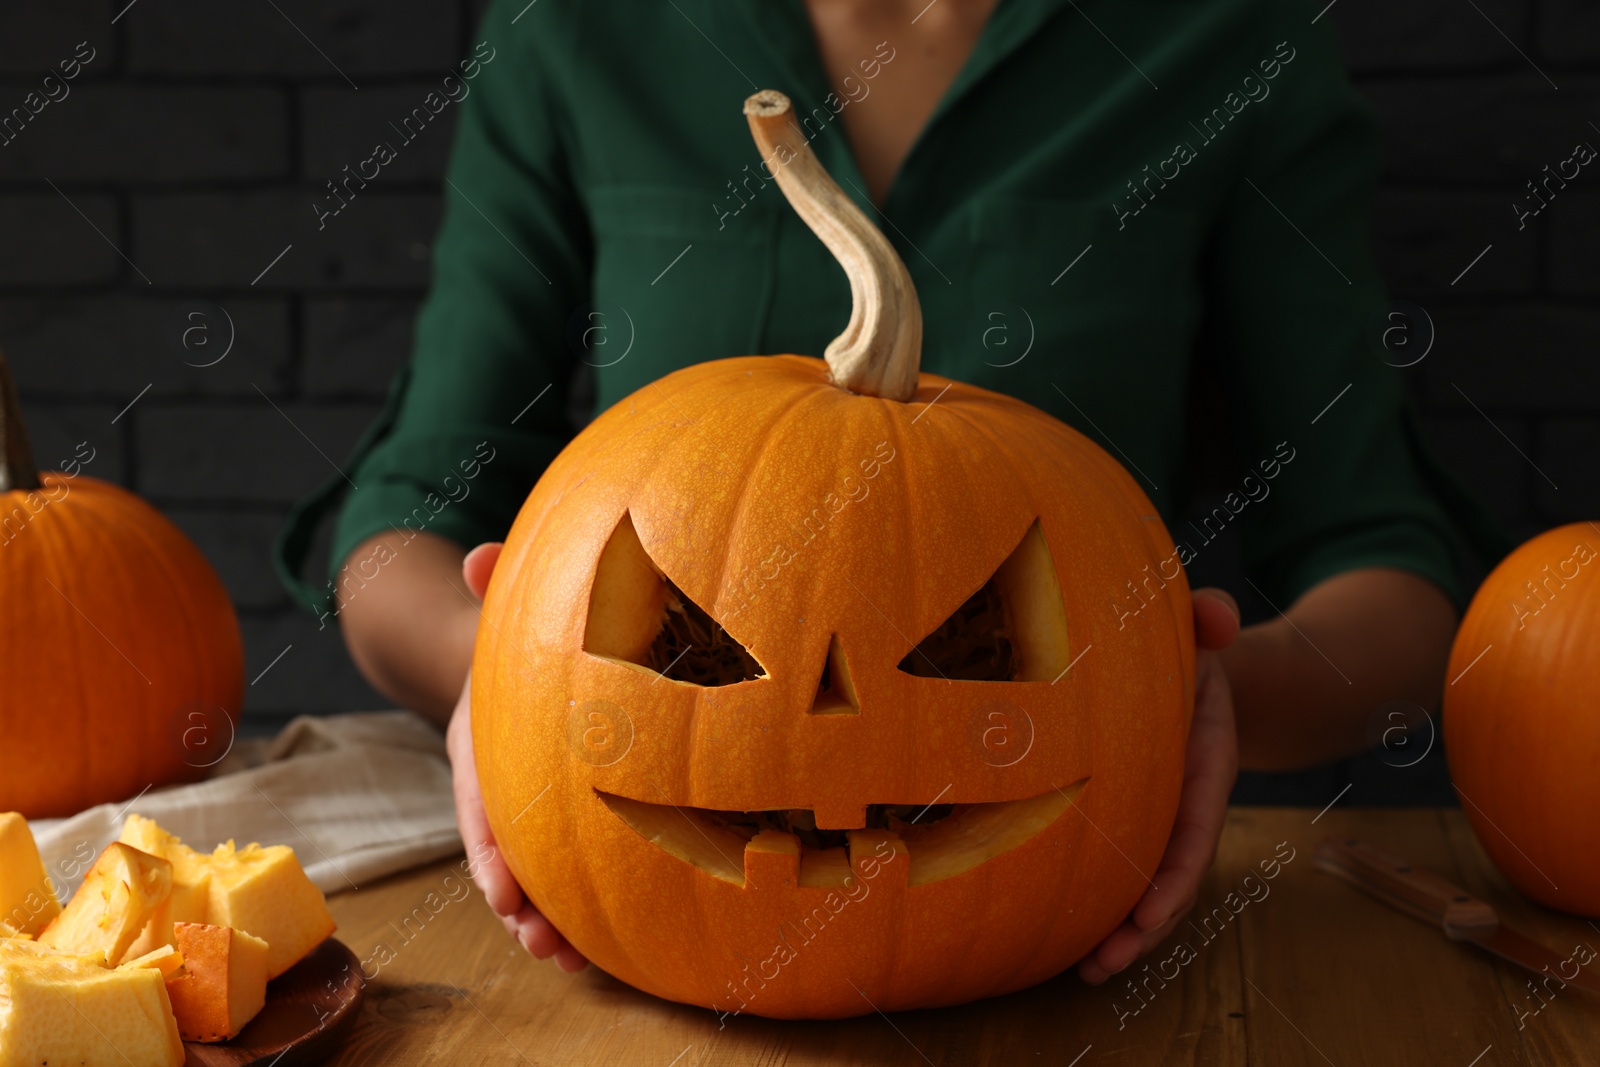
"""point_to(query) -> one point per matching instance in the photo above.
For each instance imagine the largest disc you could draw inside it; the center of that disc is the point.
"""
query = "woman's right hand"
(522, 920)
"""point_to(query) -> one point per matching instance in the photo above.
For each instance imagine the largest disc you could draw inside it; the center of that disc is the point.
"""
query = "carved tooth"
(879, 858)
(841, 816)
(771, 858)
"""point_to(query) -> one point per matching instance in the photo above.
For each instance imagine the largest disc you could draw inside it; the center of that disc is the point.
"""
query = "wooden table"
(1310, 972)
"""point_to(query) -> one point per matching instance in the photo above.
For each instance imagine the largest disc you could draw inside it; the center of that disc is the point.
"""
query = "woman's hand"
(1208, 775)
(522, 921)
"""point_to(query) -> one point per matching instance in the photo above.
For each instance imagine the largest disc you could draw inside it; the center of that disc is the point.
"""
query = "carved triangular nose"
(836, 693)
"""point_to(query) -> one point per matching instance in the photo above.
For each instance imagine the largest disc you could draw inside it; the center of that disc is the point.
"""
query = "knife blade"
(1463, 917)
(1513, 947)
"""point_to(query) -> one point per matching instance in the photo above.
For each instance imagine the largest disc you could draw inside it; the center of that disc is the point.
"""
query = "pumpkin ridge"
(106, 528)
(782, 415)
(768, 436)
(65, 530)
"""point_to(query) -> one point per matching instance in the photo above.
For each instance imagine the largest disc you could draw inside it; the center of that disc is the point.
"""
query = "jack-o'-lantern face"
(800, 702)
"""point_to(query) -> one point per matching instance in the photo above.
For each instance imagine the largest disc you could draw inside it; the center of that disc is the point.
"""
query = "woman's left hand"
(1210, 767)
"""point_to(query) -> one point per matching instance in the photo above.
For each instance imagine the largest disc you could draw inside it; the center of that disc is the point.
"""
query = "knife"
(1463, 917)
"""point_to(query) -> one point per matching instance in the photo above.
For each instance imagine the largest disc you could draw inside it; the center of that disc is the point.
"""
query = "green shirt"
(1096, 213)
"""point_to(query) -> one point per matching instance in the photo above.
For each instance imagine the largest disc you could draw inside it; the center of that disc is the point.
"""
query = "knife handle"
(1414, 890)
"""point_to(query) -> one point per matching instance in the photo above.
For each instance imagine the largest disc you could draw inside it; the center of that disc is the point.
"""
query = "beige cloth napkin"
(357, 796)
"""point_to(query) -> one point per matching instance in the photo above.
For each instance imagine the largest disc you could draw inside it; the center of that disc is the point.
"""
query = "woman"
(1094, 200)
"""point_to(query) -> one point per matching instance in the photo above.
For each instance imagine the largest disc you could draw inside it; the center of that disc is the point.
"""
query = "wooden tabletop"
(1309, 971)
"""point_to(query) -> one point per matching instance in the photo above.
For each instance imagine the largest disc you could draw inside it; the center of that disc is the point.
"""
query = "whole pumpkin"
(121, 666)
(808, 689)
(1521, 721)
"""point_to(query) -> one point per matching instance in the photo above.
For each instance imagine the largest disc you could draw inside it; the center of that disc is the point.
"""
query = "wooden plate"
(309, 1008)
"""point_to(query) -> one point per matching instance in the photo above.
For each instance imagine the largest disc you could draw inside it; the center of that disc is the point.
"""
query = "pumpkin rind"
(1521, 728)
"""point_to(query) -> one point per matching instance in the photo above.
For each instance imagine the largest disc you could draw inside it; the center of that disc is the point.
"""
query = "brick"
(209, 239)
(354, 346)
(43, 241)
(1574, 222)
(1500, 129)
(1426, 239)
(1567, 451)
(315, 675)
(56, 430)
(112, 347)
(1428, 34)
(1520, 359)
(294, 38)
(1471, 449)
(239, 545)
(244, 452)
(1569, 31)
(342, 128)
(133, 134)
(35, 38)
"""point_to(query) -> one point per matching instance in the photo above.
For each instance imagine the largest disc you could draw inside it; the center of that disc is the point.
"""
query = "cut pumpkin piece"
(27, 902)
(7, 930)
(265, 892)
(190, 900)
(223, 983)
(62, 1008)
(262, 891)
(118, 897)
(165, 959)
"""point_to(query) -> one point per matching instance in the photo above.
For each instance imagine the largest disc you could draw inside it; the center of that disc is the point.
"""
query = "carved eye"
(1013, 629)
(639, 618)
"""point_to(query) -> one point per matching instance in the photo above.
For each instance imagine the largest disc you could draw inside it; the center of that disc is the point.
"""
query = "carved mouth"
(941, 841)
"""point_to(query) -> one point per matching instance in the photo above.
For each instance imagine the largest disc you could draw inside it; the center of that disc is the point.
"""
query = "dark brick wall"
(180, 164)
(1475, 99)
(183, 161)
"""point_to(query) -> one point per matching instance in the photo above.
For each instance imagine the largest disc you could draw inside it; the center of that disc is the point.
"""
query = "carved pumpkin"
(810, 688)
(119, 649)
(1520, 728)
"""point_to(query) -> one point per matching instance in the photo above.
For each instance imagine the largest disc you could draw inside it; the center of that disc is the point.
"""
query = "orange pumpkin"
(809, 688)
(120, 654)
(1521, 729)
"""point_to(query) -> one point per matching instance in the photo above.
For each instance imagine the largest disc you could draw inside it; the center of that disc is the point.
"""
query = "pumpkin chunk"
(64, 1008)
(118, 896)
(191, 883)
(165, 959)
(261, 891)
(223, 983)
(27, 902)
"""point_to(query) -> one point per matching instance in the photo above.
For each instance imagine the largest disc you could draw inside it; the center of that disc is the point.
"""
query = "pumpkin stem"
(879, 351)
(16, 457)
